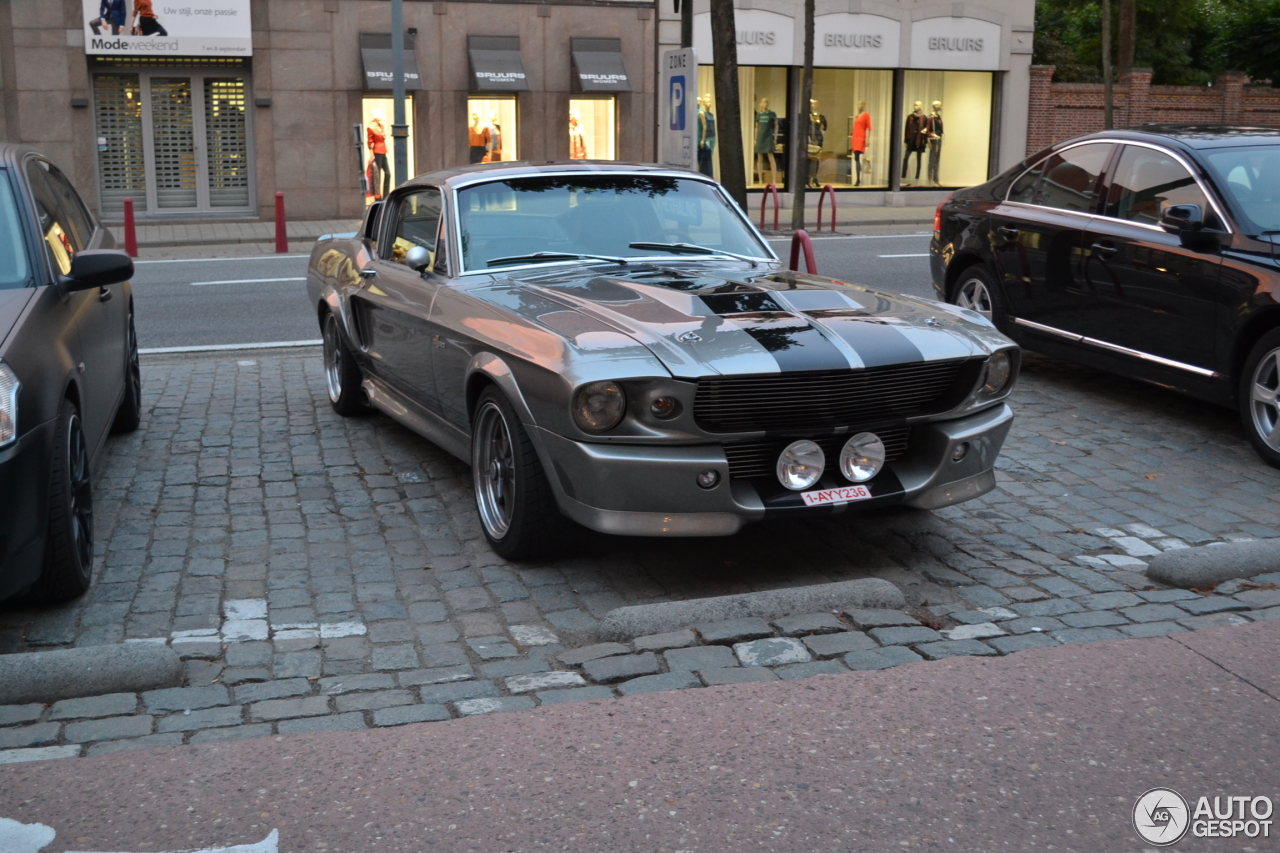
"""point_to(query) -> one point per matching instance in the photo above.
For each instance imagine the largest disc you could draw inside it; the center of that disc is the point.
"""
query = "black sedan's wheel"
(129, 415)
(977, 291)
(1260, 397)
(341, 373)
(68, 550)
(517, 509)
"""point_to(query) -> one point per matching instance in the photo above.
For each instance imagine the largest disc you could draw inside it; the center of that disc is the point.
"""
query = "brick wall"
(1062, 110)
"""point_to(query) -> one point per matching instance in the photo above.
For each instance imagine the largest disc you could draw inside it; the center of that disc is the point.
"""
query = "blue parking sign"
(677, 102)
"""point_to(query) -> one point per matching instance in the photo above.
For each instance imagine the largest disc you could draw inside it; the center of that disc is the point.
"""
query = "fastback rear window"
(14, 269)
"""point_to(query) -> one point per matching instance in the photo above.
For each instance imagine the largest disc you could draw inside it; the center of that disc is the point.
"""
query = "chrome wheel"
(332, 358)
(493, 468)
(81, 497)
(1264, 387)
(973, 294)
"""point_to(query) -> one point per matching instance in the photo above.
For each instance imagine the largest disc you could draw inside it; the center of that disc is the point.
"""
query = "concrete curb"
(87, 671)
(1207, 565)
(627, 623)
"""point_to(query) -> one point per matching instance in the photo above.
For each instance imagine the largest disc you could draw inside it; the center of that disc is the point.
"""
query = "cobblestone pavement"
(318, 573)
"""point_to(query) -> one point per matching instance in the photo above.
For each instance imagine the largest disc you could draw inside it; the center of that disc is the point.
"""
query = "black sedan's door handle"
(1007, 233)
(104, 294)
(1104, 249)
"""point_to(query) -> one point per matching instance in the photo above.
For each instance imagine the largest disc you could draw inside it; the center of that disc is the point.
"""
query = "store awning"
(375, 54)
(598, 65)
(496, 65)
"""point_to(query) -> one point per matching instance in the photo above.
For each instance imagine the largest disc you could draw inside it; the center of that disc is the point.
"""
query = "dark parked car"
(616, 344)
(68, 373)
(1150, 252)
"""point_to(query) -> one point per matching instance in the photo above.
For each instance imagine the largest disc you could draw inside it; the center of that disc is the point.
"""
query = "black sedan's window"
(60, 240)
(1251, 176)
(1146, 181)
(14, 270)
(1066, 180)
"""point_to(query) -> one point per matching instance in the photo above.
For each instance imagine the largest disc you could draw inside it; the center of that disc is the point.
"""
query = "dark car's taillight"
(937, 215)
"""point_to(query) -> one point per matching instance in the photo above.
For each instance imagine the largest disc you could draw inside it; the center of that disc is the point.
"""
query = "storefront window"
(946, 128)
(379, 148)
(592, 129)
(491, 130)
(762, 94)
(850, 118)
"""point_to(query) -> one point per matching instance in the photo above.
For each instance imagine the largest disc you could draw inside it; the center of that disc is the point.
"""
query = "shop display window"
(946, 128)
(377, 114)
(491, 130)
(762, 97)
(850, 116)
(593, 129)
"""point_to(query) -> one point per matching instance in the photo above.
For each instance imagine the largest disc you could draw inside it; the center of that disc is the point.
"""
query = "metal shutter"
(121, 164)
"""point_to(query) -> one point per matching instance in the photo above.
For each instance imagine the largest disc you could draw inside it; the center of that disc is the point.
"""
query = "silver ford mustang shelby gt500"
(616, 345)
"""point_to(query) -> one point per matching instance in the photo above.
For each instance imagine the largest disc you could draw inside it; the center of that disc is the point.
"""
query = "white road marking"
(229, 347)
(246, 281)
(922, 255)
(270, 844)
(18, 837)
(218, 260)
(816, 237)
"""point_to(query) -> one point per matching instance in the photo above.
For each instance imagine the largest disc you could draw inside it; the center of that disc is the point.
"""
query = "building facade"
(222, 103)
(910, 99)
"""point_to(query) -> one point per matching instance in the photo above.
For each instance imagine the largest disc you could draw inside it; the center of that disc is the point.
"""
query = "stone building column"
(1040, 108)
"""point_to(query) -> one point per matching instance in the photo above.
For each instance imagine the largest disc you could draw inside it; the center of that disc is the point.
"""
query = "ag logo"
(1161, 817)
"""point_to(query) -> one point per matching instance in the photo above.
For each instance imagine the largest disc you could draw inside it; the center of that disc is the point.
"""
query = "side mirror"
(1178, 218)
(99, 267)
(418, 259)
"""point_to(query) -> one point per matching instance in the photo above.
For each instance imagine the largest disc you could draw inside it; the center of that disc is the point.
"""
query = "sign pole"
(399, 129)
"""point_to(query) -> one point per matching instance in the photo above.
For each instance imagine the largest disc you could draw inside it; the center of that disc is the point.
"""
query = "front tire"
(514, 500)
(1260, 397)
(68, 550)
(977, 290)
(342, 376)
(129, 415)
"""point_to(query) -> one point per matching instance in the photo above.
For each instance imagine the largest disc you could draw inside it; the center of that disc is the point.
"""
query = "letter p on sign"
(677, 103)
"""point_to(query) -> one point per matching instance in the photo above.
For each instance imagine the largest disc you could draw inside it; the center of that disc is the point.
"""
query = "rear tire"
(342, 375)
(514, 500)
(68, 549)
(1260, 397)
(129, 415)
(977, 290)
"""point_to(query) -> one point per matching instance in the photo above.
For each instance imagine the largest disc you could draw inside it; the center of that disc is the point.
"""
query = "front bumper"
(652, 490)
(24, 496)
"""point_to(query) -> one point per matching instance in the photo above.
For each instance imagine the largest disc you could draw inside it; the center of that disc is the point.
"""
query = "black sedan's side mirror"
(1178, 218)
(99, 267)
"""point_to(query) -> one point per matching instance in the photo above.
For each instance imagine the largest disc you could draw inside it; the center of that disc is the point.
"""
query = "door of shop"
(175, 140)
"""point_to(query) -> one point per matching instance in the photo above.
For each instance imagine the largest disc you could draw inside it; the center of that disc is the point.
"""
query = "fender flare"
(496, 370)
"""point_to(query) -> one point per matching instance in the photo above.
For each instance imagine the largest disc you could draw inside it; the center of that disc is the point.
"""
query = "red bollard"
(799, 240)
(282, 240)
(769, 188)
(827, 189)
(130, 230)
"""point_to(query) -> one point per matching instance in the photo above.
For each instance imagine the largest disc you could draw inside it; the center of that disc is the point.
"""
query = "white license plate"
(844, 495)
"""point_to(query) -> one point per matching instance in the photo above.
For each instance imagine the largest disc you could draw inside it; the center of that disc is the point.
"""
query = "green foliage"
(1252, 40)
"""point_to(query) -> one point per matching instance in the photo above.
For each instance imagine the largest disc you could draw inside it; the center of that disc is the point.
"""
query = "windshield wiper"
(690, 248)
(538, 257)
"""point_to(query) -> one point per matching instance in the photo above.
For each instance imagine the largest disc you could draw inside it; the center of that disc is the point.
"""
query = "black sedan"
(68, 373)
(1150, 252)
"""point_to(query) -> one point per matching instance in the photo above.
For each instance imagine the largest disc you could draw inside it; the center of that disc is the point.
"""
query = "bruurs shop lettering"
(852, 40)
(756, 37)
(944, 43)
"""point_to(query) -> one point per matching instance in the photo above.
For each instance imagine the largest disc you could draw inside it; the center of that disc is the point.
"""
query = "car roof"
(11, 153)
(462, 175)
(1197, 136)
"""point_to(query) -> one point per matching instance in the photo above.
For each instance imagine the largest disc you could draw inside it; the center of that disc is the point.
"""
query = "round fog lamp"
(708, 479)
(999, 368)
(665, 407)
(862, 457)
(801, 464)
(960, 451)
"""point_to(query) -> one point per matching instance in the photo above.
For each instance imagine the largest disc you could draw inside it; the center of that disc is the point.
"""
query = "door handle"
(104, 294)
(1104, 249)
(1007, 233)
(368, 272)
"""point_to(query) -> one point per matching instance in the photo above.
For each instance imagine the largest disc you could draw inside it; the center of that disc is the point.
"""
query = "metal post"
(686, 22)
(399, 129)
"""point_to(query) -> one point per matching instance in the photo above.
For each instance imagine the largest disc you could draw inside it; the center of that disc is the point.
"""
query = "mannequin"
(577, 142)
(817, 125)
(477, 139)
(860, 138)
(706, 135)
(495, 137)
(376, 135)
(766, 130)
(935, 143)
(915, 137)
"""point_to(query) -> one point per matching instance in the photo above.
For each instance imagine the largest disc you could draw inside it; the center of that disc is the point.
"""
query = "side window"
(417, 219)
(54, 230)
(77, 217)
(1024, 189)
(1147, 181)
(1069, 179)
(440, 264)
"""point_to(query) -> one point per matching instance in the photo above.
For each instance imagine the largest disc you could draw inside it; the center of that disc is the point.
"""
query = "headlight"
(801, 464)
(9, 386)
(862, 457)
(599, 406)
(999, 369)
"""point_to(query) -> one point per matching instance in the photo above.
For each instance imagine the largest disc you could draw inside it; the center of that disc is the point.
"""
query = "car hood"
(728, 322)
(12, 304)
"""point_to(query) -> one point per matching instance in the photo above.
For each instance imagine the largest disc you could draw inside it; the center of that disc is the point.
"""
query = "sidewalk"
(1045, 750)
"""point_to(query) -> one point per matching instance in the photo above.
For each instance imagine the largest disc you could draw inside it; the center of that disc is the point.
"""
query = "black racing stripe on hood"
(798, 348)
(877, 344)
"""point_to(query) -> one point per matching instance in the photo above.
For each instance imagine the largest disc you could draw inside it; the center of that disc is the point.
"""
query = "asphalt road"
(230, 301)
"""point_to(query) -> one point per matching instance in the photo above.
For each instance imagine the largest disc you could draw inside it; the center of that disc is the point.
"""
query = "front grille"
(759, 458)
(824, 399)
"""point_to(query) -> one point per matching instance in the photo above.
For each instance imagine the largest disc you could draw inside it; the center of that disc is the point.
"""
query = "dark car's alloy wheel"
(129, 415)
(977, 292)
(1260, 397)
(513, 498)
(341, 373)
(68, 555)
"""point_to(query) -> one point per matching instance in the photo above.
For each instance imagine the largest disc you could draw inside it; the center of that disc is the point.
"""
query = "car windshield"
(14, 271)
(1251, 176)
(597, 214)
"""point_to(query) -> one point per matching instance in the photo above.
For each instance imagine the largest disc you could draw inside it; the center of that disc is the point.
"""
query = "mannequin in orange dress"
(376, 135)
(577, 142)
(860, 138)
(477, 139)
